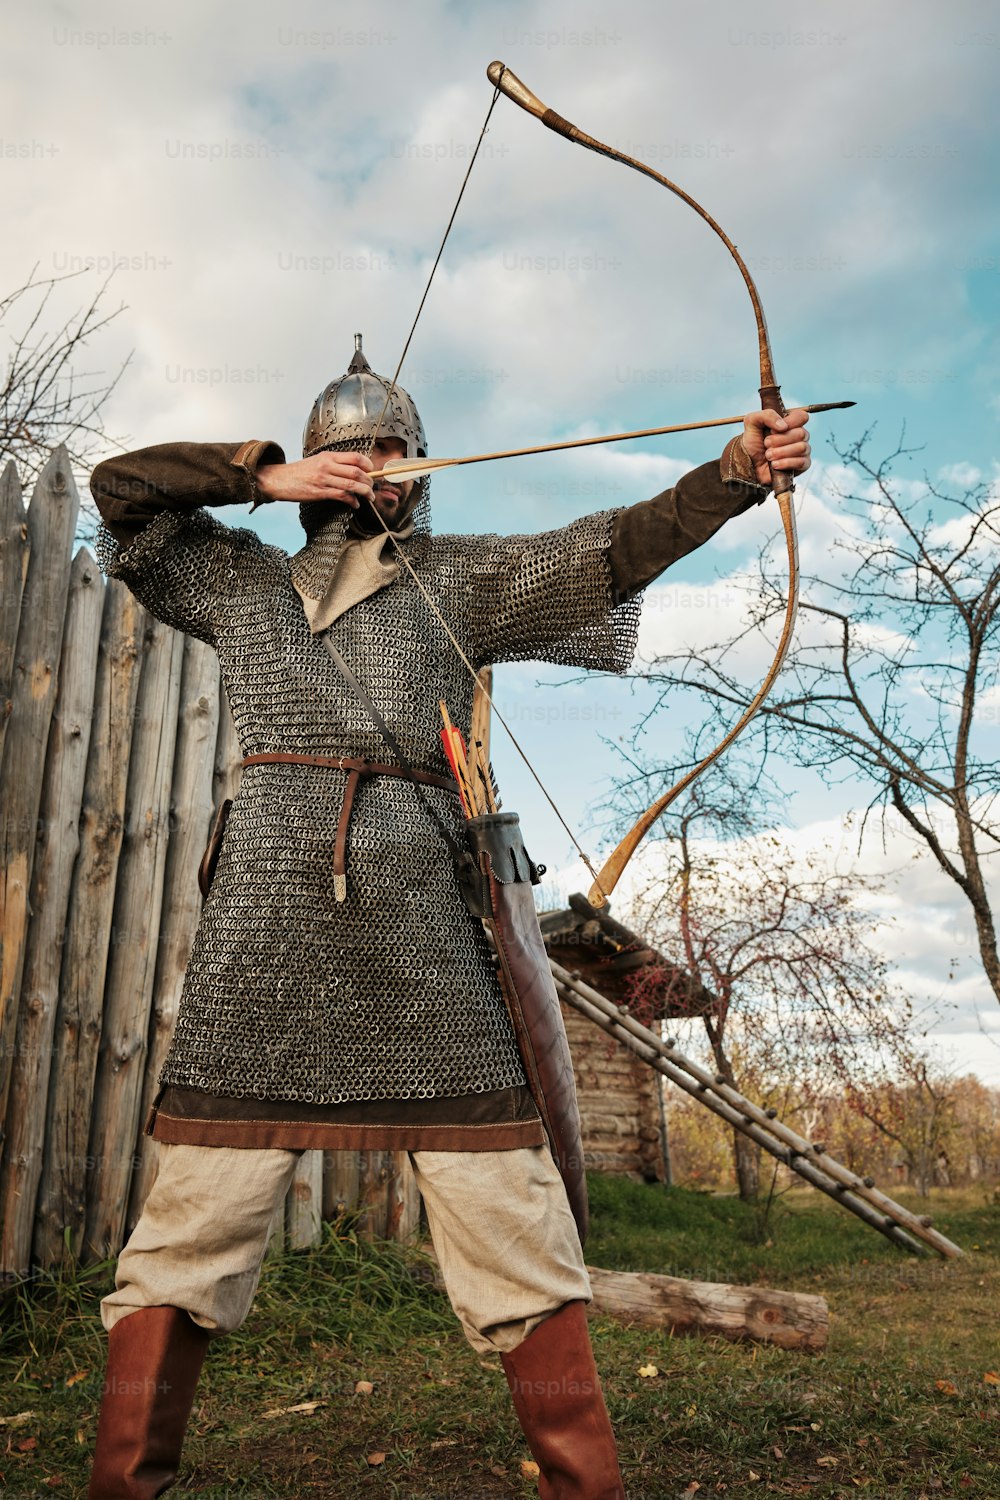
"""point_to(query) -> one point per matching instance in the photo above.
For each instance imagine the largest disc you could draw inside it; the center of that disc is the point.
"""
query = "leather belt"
(355, 770)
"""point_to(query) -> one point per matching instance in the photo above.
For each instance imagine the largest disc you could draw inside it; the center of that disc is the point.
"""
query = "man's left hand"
(774, 442)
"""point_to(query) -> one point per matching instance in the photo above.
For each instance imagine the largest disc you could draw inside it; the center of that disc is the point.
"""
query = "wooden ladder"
(809, 1159)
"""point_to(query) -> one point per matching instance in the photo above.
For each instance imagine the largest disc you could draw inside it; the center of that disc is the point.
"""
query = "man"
(339, 993)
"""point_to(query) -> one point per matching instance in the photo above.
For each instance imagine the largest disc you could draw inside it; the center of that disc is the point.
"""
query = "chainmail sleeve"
(548, 597)
(188, 569)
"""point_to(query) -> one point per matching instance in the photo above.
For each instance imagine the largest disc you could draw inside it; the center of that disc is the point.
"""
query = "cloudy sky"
(268, 180)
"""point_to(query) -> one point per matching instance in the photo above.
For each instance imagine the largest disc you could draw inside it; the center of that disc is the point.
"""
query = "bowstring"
(401, 555)
(437, 258)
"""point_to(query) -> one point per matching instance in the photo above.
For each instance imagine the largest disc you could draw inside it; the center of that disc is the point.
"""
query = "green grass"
(866, 1417)
(695, 1234)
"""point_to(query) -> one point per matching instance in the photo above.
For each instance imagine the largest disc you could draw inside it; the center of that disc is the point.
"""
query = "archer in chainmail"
(321, 1031)
(362, 1011)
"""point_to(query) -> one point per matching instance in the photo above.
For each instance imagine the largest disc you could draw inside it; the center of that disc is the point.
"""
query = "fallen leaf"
(26, 1444)
(648, 1371)
(498, 1470)
(529, 1469)
(692, 1489)
(18, 1420)
(827, 1462)
(284, 1411)
(690, 1411)
(991, 1378)
(375, 1459)
(753, 1476)
(946, 1388)
(75, 1379)
(444, 1442)
(815, 1426)
(363, 1388)
(778, 1452)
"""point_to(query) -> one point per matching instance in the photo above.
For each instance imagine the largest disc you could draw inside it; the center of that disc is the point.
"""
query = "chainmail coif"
(392, 993)
(327, 523)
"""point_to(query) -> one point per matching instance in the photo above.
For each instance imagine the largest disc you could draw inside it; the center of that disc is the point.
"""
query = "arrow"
(416, 468)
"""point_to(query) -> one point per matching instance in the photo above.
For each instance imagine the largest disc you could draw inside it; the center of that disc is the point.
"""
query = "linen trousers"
(503, 1233)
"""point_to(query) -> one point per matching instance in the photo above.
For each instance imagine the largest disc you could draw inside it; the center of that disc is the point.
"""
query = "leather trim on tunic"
(501, 1120)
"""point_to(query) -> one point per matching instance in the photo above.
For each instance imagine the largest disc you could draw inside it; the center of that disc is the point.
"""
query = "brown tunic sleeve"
(133, 489)
(648, 537)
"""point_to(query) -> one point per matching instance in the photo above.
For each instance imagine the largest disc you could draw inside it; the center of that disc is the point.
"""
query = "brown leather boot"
(154, 1360)
(560, 1405)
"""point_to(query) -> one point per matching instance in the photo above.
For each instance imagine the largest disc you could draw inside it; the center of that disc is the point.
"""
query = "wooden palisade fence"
(115, 744)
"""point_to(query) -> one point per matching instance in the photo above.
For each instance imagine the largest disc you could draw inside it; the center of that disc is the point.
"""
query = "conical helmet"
(347, 412)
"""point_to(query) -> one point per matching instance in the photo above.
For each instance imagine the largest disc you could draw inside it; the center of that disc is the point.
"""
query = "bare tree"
(46, 398)
(918, 1115)
(894, 676)
(784, 943)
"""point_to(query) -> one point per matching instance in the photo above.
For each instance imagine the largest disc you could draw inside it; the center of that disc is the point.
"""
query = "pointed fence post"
(13, 567)
(61, 1197)
(305, 1201)
(55, 862)
(135, 930)
(190, 819)
(341, 1171)
(51, 525)
(403, 1221)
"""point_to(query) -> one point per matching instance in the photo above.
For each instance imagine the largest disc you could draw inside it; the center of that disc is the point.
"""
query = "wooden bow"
(770, 398)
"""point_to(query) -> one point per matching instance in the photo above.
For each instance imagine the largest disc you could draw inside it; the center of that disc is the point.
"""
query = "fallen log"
(792, 1320)
(711, 1309)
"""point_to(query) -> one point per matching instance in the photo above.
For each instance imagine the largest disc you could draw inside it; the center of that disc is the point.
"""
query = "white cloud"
(964, 474)
(354, 128)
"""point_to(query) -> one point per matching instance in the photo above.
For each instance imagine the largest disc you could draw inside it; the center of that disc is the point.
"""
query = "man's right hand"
(325, 476)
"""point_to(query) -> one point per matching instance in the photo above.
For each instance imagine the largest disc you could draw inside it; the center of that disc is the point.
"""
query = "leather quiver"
(507, 874)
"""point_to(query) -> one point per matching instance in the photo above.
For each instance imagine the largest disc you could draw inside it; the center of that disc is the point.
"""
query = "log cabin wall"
(619, 1094)
(619, 1104)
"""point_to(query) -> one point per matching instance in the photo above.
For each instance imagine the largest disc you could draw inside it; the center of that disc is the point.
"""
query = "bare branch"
(45, 397)
(895, 653)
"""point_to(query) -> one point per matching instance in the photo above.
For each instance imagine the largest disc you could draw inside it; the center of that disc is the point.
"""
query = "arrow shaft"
(403, 468)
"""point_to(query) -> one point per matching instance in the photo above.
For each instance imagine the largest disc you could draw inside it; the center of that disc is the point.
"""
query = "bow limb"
(611, 871)
(770, 398)
(508, 83)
